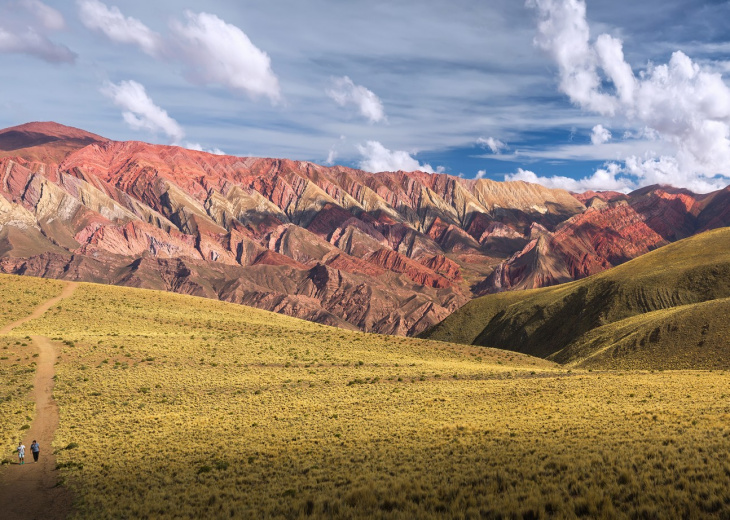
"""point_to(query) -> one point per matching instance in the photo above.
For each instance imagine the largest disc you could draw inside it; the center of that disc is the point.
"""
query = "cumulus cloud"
(680, 102)
(47, 15)
(481, 174)
(600, 135)
(345, 92)
(377, 158)
(495, 145)
(563, 32)
(608, 178)
(97, 16)
(140, 112)
(199, 148)
(211, 50)
(217, 52)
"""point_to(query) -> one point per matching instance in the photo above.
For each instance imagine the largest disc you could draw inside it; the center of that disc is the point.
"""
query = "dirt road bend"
(30, 491)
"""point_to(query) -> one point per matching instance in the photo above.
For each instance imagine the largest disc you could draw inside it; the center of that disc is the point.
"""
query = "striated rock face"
(392, 252)
(614, 229)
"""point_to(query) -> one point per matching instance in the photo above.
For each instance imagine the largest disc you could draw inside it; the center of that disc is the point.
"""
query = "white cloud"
(32, 43)
(564, 34)
(681, 103)
(331, 157)
(614, 150)
(481, 174)
(217, 52)
(344, 92)
(334, 151)
(493, 144)
(377, 158)
(211, 50)
(140, 112)
(97, 16)
(667, 170)
(199, 148)
(602, 179)
(47, 15)
(23, 35)
(600, 135)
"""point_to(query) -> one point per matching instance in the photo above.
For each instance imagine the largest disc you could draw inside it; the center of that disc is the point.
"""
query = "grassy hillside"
(18, 297)
(178, 407)
(617, 318)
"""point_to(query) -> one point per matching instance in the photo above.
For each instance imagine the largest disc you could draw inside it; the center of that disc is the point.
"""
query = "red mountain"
(44, 142)
(392, 252)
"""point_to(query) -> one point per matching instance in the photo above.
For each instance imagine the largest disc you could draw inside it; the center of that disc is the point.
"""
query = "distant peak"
(46, 141)
(53, 129)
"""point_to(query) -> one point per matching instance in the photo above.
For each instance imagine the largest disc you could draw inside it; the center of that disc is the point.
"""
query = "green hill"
(666, 309)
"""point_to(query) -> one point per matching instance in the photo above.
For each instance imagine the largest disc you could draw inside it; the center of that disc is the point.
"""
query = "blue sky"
(604, 95)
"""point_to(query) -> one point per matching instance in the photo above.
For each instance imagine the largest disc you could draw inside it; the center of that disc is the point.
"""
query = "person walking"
(21, 452)
(35, 450)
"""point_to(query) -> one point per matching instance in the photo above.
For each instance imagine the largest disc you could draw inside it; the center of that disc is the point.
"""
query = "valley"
(664, 310)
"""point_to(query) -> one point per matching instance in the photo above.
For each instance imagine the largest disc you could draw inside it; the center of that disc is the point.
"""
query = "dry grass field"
(177, 407)
(18, 297)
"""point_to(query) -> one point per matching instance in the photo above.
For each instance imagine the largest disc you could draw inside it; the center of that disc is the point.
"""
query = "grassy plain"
(177, 407)
(18, 297)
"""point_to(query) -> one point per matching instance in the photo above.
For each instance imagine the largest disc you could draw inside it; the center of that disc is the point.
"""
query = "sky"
(604, 94)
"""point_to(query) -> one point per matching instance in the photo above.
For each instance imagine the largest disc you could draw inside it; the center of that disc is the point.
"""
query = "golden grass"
(17, 366)
(18, 297)
(176, 407)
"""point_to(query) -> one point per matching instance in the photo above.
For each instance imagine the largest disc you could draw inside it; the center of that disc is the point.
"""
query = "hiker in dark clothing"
(35, 449)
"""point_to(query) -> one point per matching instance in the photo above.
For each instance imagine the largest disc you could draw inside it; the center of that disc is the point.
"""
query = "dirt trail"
(43, 307)
(29, 492)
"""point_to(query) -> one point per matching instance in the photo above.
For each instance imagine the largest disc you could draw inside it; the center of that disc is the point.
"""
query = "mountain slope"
(665, 309)
(47, 142)
(392, 252)
(377, 252)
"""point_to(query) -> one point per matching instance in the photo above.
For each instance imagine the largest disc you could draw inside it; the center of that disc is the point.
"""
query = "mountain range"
(390, 252)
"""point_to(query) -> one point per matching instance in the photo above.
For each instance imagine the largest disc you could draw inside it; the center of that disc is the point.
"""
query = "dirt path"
(43, 307)
(29, 492)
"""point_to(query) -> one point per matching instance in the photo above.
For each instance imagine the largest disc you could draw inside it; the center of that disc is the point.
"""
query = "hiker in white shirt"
(21, 452)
